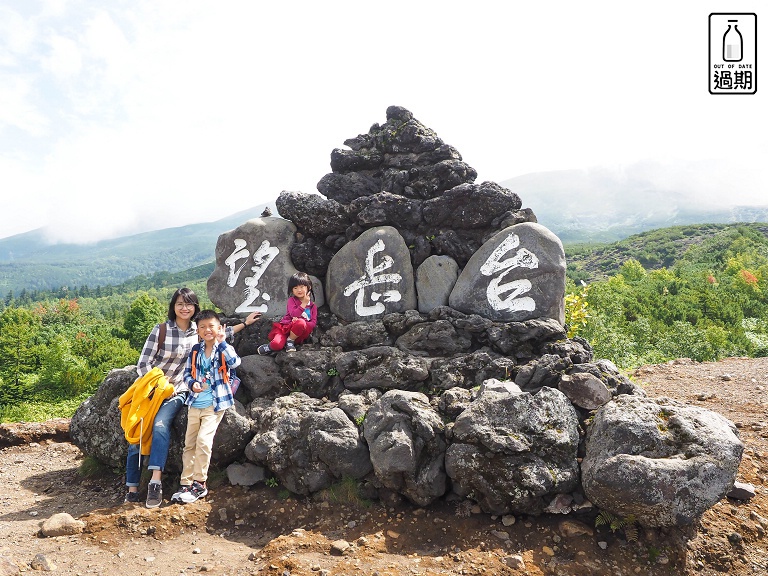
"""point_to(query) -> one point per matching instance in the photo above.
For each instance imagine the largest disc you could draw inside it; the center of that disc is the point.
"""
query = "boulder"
(308, 444)
(313, 214)
(438, 338)
(253, 266)
(584, 390)
(469, 370)
(356, 335)
(514, 451)
(660, 461)
(371, 276)
(62, 524)
(517, 275)
(406, 439)
(95, 425)
(469, 206)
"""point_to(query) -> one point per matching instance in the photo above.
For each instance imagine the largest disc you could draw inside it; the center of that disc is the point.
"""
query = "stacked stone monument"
(440, 366)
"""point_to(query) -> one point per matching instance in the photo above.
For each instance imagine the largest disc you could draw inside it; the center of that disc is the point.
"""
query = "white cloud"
(189, 111)
(64, 60)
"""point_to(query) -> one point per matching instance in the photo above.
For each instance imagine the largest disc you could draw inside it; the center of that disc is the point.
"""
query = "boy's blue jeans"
(161, 439)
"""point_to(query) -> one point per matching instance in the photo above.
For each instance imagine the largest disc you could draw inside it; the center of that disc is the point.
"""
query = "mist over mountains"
(599, 205)
(29, 262)
(605, 205)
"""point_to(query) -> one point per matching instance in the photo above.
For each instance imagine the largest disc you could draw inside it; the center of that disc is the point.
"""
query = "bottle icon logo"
(733, 43)
(732, 53)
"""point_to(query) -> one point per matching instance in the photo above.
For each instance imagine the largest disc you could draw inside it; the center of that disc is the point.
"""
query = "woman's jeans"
(161, 439)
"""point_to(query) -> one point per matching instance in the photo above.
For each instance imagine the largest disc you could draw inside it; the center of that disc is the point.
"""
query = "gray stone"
(454, 401)
(62, 524)
(246, 474)
(261, 377)
(386, 209)
(435, 278)
(514, 451)
(546, 371)
(406, 439)
(95, 426)
(470, 205)
(253, 266)
(232, 435)
(381, 367)
(315, 215)
(584, 390)
(741, 491)
(42, 563)
(356, 335)
(308, 444)
(469, 370)
(346, 187)
(307, 370)
(660, 460)
(371, 276)
(517, 275)
(437, 338)
(356, 405)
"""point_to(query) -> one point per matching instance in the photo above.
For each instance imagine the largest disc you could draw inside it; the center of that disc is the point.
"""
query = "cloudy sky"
(130, 115)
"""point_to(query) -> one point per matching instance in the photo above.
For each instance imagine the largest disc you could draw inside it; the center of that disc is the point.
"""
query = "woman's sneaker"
(290, 346)
(196, 491)
(154, 494)
(177, 497)
(264, 350)
(132, 497)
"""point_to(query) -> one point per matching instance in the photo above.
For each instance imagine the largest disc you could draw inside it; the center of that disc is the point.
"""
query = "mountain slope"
(27, 262)
(654, 249)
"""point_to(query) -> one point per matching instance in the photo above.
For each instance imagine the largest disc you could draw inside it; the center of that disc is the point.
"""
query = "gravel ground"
(263, 530)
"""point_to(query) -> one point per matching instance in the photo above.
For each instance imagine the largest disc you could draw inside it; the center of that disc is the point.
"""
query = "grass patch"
(216, 477)
(39, 411)
(346, 491)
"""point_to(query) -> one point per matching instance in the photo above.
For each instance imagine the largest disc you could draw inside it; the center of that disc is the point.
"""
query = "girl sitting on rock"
(299, 320)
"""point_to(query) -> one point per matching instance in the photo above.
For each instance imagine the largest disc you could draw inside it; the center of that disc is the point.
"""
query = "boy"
(207, 376)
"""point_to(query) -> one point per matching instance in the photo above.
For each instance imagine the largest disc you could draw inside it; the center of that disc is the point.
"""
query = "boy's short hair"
(207, 315)
(299, 279)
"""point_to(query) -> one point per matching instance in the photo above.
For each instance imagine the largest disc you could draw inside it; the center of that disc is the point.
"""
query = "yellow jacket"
(139, 405)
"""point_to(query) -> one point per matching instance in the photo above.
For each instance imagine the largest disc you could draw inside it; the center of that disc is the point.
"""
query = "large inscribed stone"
(253, 265)
(517, 275)
(371, 276)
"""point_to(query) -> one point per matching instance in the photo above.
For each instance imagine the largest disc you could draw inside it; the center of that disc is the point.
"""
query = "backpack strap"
(223, 368)
(194, 362)
(161, 338)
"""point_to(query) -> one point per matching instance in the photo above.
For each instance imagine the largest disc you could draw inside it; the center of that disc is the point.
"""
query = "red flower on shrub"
(748, 277)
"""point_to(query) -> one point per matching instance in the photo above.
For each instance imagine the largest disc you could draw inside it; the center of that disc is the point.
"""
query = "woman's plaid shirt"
(173, 356)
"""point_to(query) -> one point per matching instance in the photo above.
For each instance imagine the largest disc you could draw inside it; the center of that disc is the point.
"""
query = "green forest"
(699, 292)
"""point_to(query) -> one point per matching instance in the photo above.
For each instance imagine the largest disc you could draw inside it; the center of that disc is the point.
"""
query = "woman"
(167, 348)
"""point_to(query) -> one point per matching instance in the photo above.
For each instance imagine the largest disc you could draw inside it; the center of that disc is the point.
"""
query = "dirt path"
(263, 530)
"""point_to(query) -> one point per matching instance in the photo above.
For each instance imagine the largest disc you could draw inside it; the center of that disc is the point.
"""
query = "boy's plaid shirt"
(173, 357)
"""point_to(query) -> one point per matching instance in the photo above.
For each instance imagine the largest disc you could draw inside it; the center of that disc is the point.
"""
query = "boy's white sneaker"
(196, 491)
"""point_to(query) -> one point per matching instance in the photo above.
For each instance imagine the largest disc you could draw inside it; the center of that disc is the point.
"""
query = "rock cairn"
(399, 174)
(476, 394)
